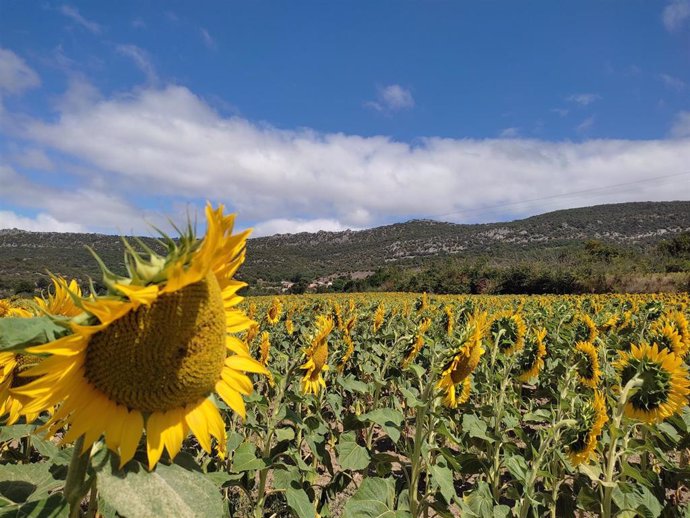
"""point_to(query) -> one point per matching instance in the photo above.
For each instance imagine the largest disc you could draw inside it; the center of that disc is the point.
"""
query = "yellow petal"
(244, 363)
(232, 398)
(131, 433)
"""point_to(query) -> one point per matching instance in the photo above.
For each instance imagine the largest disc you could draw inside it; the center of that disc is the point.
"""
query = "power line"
(562, 195)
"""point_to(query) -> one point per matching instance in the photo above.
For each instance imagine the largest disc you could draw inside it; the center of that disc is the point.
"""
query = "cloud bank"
(126, 157)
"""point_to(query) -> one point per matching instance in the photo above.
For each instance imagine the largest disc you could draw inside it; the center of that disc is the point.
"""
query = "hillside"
(627, 237)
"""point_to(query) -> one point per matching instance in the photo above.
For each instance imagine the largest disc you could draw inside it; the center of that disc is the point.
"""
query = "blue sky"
(332, 115)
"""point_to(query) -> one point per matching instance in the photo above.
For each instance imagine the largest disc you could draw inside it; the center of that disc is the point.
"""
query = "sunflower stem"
(76, 474)
(612, 455)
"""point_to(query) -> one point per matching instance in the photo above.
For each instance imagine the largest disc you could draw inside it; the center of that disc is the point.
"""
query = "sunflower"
(464, 358)
(154, 352)
(664, 333)
(531, 361)
(289, 326)
(581, 441)
(509, 331)
(10, 309)
(338, 315)
(665, 385)
(378, 317)
(422, 302)
(348, 352)
(274, 311)
(60, 302)
(11, 365)
(587, 364)
(683, 329)
(585, 330)
(317, 356)
(264, 348)
(452, 400)
(448, 319)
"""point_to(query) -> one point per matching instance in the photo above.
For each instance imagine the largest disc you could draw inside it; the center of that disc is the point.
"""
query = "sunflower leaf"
(350, 454)
(375, 498)
(167, 491)
(17, 333)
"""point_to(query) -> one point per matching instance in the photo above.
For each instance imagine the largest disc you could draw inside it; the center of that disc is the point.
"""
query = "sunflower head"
(584, 329)
(63, 299)
(448, 319)
(9, 308)
(665, 385)
(664, 333)
(379, 316)
(317, 356)
(580, 440)
(509, 331)
(531, 360)
(586, 359)
(460, 361)
(153, 350)
(274, 311)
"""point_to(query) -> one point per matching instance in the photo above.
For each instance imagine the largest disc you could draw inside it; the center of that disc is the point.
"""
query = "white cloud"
(15, 75)
(41, 223)
(583, 99)
(96, 207)
(673, 83)
(509, 132)
(33, 159)
(560, 111)
(675, 14)
(138, 23)
(392, 98)
(141, 59)
(585, 125)
(167, 143)
(681, 125)
(295, 226)
(208, 39)
(73, 13)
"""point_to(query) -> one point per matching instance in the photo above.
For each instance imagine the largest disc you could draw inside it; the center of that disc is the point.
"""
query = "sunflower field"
(170, 395)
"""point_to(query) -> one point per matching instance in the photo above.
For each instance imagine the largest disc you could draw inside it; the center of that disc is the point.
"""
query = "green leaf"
(54, 506)
(375, 498)
(442, 477)
(21, 483)
(480, 504)
(167, 491)
(299, 502)
(353, 385)
(285, 434)
(19, 333)
(629, 497)
(517, 466)
(350, 454)
(245, 458)
(234, 440)
(388, 419)
(285, 476)
(475, 427)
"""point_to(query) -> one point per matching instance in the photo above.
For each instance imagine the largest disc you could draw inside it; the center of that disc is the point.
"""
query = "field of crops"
(369, 405)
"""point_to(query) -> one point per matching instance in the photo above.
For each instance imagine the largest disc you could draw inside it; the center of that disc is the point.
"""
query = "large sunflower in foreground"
(155, 351)
(665, 384)
(59, 302)
(462, 361)
(581, 440)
